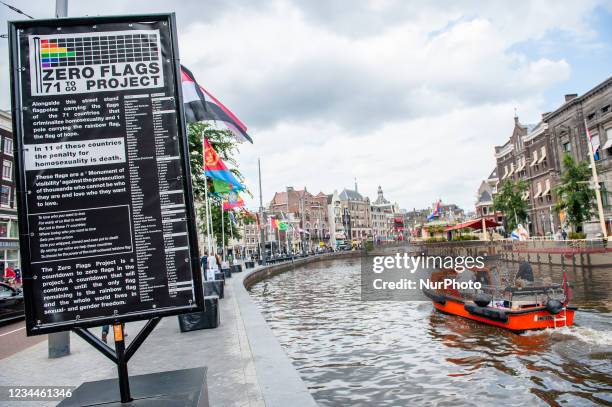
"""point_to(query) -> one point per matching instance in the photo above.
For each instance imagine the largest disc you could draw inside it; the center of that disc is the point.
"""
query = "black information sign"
(105, 206)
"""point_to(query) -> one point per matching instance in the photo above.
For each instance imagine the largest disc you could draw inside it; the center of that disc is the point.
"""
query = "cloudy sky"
(401, 94)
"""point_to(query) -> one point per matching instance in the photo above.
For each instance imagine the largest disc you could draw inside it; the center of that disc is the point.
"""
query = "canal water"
(351, 352)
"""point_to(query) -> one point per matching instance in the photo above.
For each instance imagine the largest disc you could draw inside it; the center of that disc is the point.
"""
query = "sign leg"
(122, 370)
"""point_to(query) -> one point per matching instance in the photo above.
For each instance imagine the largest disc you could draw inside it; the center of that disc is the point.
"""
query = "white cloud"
(407, 95)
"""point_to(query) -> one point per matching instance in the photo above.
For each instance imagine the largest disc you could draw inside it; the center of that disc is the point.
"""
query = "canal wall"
(280, 384)
(266, 272)
(575, 253)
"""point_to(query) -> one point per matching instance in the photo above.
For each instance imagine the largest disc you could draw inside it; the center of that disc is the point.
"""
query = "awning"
(539, 192)
(505, 172)
(608, 144)
(542, 157)
(521, 166)
(547, 189)
(474, 224)
(526, 195)
(535, 159)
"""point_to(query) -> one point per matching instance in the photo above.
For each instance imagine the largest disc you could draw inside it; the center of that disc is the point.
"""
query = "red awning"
(474, 224)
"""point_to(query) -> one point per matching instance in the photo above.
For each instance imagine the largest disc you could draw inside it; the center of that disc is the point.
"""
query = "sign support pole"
(121, 355)
(59, 342)
(222, 232)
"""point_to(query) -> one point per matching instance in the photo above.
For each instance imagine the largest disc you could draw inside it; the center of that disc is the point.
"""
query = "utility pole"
(59, 342)
(262, 248)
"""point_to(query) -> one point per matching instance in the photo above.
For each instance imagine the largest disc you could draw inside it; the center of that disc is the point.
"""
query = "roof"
(493, 174)
(578, 99)
(474, 224)
(485, 197)
(350, 195)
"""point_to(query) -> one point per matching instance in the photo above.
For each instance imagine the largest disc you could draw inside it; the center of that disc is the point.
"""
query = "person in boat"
(524, 276)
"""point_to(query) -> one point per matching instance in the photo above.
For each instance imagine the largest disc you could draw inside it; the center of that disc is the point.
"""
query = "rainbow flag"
(50, 53)
(216, 169)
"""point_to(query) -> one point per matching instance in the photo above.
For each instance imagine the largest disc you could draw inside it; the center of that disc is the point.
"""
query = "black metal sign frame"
(33, 326)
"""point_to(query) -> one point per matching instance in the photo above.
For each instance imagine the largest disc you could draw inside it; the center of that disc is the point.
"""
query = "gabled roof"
(493, 174)
(485, 197)
(350, 195)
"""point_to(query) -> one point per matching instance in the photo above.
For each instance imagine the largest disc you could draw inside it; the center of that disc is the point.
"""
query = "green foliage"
(575, 195)
(576, 235)
(226, 146)
(369, 245)
(435, 239)
(465, 237)
(435, 229)
(509, 200)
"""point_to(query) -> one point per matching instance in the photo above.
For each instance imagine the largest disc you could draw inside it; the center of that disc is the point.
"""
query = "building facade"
(568, 135)
(338, 233)
(526, 156)
(9, 229)
(249, 240)
(306, 213)
(356, 211)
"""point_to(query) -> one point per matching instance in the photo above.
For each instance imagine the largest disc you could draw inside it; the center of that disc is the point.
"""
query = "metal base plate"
(176, 388)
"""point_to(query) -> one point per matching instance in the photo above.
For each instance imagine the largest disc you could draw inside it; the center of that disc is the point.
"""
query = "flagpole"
(222, 232)
(602, 221)
(262, 231)
(206, 203)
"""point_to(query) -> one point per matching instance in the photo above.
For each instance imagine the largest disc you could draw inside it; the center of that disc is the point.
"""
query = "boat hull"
(518, 321)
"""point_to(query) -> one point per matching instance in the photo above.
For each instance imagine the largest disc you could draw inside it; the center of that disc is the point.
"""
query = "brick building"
(307, 214)
(9, 230)
(356, 211)
(567, 131)
(526, 156)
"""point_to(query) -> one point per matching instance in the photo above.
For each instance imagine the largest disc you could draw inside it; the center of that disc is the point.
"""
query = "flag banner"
(200, 105)
(233, 201)
(215, 168)
(232, 218)
(594, 140)
(221, 187)
(436, 211)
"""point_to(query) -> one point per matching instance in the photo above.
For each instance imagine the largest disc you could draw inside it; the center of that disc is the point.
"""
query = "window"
(8, 146)
(605, 109)
(5, 195)
(4, 226)
(605, 201)
(5, 291)
(7, 170)
(567, 147)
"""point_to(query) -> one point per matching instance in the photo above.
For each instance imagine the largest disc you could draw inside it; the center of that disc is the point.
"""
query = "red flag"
(566, 289)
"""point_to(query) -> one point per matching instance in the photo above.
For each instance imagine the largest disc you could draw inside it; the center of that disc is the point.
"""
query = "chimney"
(570, 96)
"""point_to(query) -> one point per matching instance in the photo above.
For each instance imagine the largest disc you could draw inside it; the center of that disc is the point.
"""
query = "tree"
(226, 146)
(509, 200)
(575, 196)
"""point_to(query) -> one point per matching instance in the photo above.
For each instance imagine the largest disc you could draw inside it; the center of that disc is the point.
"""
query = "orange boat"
(517, 309)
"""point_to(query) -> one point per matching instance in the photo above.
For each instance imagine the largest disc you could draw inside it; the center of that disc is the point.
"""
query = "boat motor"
(554, 306)
(482, 299)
